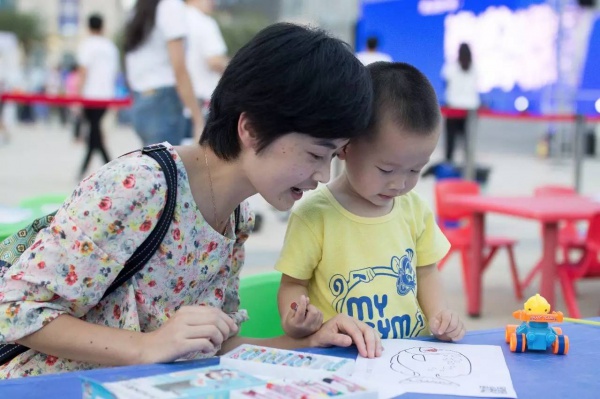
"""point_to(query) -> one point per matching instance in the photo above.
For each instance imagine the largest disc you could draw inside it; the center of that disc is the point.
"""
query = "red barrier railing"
(595, 118)
(526, 116)
(27, 98)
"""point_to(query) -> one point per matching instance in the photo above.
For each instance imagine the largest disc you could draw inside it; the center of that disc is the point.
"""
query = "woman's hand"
(191, 329)
(302, 319)
(343, 330)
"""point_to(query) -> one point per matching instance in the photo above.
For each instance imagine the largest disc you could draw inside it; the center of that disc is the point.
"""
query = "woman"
(157, 74)
(286, 104)
(461, 93)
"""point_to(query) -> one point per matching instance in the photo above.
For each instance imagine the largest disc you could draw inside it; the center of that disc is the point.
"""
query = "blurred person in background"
(37, 76)
(157, 73)
(72, 82)
(371, 54)
(55, 87)
(461, 93)
(4, 137)
(206, 56)
(98, 60)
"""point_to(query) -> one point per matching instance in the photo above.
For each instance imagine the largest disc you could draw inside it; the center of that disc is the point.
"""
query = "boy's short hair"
(404, 94)
(95, 22)
(289, 78)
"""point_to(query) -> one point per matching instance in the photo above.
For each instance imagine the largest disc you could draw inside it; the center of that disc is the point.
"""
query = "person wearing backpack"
(286, 105)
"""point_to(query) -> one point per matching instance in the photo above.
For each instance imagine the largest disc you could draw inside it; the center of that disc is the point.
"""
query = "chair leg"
(531, 275)
(565, 253)
(568, 289)
(464, 255)
(514, 272)
(488, 258)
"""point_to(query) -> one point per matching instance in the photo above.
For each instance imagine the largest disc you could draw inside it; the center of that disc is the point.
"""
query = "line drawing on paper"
(430, 365)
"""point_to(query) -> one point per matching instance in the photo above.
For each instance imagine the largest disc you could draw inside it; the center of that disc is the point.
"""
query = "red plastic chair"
(569, 238)
(588, 266)
(460, 236)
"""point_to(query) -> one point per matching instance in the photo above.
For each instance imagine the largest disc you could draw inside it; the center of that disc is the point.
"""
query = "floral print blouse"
(75, 259)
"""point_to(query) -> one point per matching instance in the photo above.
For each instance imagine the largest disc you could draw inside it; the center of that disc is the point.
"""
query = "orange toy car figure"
(534, 333)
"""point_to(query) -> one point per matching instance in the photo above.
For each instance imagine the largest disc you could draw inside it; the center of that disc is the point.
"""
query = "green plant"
(239, 27)
(27, 27)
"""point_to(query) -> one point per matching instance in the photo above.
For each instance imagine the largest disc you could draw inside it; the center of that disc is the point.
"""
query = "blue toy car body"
(536, 335)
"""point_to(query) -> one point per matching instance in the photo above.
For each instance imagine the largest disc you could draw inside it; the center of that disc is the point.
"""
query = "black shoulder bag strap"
(237, 219)
(145, 251)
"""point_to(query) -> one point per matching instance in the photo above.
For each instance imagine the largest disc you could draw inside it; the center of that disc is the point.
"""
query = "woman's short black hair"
(404, 94)
(289, 78)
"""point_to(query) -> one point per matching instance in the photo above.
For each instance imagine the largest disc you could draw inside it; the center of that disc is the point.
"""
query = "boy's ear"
(246, 132)
(342, 154)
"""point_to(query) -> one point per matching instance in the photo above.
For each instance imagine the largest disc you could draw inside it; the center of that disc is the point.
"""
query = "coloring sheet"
(436, 368)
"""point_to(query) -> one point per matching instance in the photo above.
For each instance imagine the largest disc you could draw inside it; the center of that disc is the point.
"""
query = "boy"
(365, 244)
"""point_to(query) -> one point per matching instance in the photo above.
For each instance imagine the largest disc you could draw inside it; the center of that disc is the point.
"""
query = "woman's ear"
(246, 132)
(342, 154)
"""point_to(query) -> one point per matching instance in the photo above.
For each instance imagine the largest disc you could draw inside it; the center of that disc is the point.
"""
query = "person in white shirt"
(206, 52)
(371, 55)
(98, 60)
(206, 56)
(156, 71)
(461, 93)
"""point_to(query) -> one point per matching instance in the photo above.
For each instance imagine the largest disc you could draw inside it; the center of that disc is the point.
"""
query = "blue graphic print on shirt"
(372, 309)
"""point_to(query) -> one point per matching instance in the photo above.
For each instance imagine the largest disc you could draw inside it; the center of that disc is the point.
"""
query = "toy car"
(534, 333)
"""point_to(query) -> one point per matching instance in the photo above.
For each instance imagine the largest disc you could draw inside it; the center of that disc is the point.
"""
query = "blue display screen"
(514, 44)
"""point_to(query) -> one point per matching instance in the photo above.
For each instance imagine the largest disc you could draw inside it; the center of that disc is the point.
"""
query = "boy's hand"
(447, 326)
(343, 330)
(303, 319)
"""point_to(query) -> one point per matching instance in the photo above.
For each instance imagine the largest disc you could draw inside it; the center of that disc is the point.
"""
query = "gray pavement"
(42, 158)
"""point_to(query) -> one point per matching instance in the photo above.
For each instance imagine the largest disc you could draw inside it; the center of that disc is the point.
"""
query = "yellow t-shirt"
(364, 267)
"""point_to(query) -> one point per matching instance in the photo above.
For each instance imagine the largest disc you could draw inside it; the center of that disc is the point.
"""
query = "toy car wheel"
(560, 346)
(518, 343)
(557, 330)
(511, 328)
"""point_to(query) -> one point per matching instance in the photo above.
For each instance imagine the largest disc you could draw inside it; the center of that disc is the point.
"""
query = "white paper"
(436, 368)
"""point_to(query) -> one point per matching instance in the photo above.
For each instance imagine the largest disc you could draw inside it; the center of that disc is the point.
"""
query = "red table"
(550, 211)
